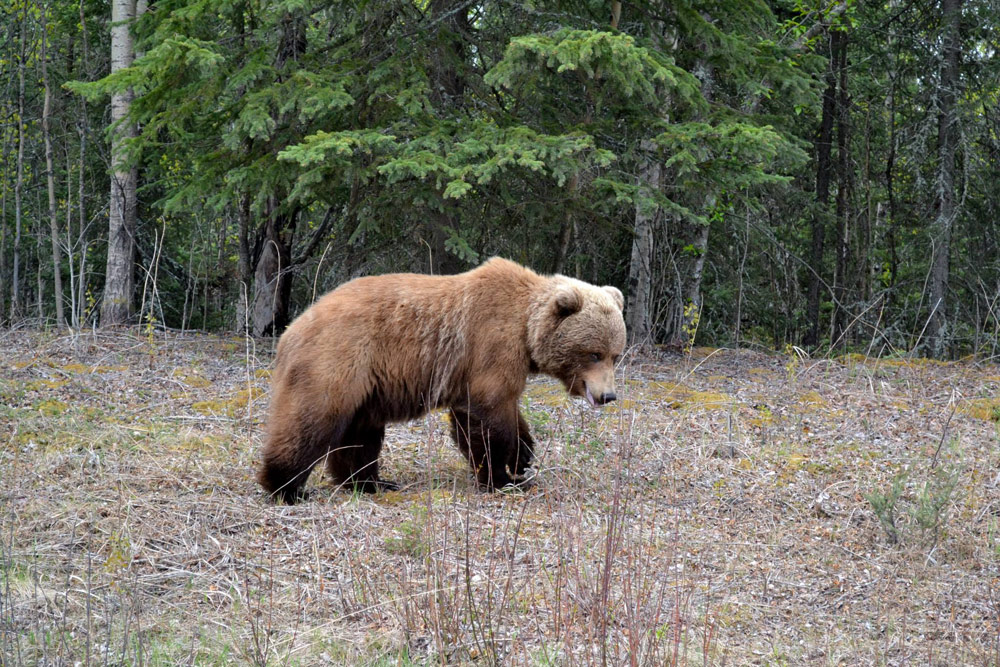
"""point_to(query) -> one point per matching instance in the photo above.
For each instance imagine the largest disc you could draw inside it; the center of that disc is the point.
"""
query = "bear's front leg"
(521, 456)
(487, 443)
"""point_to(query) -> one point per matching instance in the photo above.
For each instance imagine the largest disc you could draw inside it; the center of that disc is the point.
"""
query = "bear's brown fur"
(389, 348)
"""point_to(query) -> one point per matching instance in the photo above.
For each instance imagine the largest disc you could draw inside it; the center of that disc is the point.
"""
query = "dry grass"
(733, 508)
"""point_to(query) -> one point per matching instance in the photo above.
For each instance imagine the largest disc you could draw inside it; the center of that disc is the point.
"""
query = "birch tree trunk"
(50, 175)
(72, 320)
(937, 330)
(692, 296)
(81, 199)
(119, 278)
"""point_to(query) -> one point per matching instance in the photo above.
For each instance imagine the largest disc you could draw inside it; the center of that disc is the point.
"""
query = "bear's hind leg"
(291, 452)
(357, 465)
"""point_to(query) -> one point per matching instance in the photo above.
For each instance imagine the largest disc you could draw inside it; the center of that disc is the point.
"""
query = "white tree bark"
(692, 299)
(81, 201)
(50, 175)
(119, 279)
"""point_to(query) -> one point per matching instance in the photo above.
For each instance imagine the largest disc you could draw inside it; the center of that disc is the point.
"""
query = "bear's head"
(576, 334)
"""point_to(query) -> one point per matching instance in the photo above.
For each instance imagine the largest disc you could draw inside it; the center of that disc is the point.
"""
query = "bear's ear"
(616, 296)
(567, 301)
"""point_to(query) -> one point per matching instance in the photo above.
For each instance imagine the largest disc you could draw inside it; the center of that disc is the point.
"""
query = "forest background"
(793, 172)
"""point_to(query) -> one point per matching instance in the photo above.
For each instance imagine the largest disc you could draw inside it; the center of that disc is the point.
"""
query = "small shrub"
(920, 515)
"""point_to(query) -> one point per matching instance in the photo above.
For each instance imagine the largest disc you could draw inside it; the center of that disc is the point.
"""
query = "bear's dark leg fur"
(357, 465)
(487, 446)
(290, 455)
(521, 457)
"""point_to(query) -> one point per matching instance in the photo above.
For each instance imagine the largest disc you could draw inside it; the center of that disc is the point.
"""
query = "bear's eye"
(595, 357)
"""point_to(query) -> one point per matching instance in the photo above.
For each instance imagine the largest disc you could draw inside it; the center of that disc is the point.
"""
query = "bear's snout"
(598, 396)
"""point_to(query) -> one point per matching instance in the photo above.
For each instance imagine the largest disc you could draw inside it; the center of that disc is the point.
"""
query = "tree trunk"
(352, 265)
(692, 292)
(272, 279)
(3, 254)
(692, 301)
(40, 284)
(3, 239)
(567, 226)
(837, 321)
(50, 176)
(738, 323)
(448, 72)
(119, 276)
(72, 320)
(640, 277)
(824, 162)
(82, 243)
(244, 266)
(937, 329)
(15, 297)
(866, 271)
(272, 282)
(81, 199)
(890, 165)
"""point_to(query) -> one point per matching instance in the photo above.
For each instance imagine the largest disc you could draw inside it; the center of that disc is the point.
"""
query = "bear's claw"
(376, 485)
(288, 496)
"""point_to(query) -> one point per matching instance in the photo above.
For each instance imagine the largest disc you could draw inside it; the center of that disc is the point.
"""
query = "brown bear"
(389, 348)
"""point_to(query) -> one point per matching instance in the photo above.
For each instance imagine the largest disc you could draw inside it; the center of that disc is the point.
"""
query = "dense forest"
(817, 173)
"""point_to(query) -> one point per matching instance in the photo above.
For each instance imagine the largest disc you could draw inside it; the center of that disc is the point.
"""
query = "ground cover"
(733, 507)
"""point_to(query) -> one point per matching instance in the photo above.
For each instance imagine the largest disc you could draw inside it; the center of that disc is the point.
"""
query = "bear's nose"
(606, 398)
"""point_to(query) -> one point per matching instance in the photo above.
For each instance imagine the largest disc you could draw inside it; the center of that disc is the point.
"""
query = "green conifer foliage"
(358, 136)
